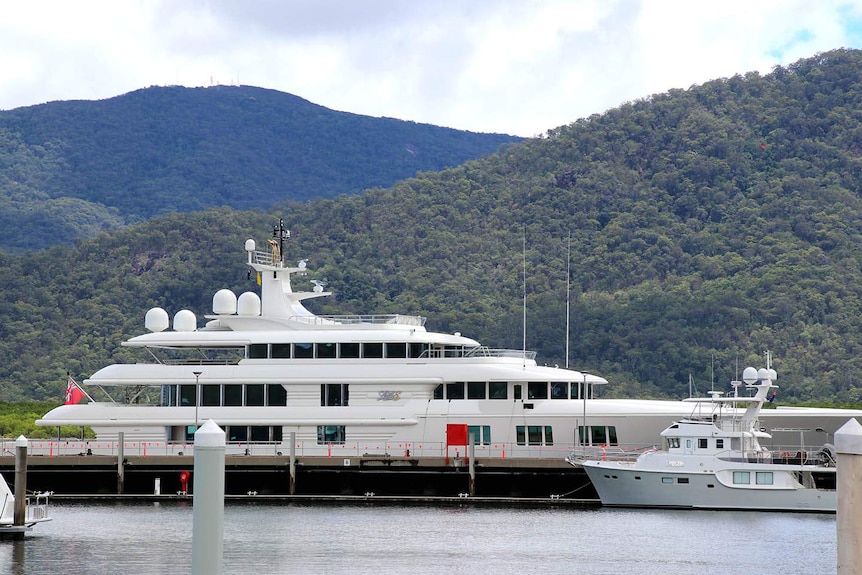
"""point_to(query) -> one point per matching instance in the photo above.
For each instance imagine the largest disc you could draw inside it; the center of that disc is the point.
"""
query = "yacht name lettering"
(388, 395)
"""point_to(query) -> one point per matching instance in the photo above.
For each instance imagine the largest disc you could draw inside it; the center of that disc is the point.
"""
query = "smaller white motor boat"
(35, 512)
(714, 459)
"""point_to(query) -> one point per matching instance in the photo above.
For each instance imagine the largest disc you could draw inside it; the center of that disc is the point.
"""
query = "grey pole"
(208, 500)
(121, 463)
(293, 463)
(848, 445)
(471, 456)
(197, 395)
(20, 482)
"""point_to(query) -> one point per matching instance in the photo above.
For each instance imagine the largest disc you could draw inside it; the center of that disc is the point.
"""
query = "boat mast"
(280, 234)
(568, 292)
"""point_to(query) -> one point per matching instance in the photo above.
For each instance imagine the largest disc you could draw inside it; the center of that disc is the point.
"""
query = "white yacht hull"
(621, 485)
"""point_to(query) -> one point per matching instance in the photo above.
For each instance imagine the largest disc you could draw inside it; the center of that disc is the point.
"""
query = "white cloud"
(498, 65)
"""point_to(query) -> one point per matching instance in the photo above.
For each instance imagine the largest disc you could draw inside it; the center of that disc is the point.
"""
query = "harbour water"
(262, 539)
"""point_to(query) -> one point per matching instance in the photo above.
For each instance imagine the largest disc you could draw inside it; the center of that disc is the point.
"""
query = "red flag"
(74, 394)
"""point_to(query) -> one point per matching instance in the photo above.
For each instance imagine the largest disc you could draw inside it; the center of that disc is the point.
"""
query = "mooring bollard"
(20, 510)
(208, 500)
(848, 445)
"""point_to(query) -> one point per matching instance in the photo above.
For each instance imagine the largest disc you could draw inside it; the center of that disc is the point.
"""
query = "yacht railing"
(375, 319)
(477, 351)
(267, 258)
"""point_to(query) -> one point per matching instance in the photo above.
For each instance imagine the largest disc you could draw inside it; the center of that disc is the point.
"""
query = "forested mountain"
(706, 226)
(79, 167)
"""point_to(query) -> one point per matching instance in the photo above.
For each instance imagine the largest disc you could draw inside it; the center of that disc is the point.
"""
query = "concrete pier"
(848, 445)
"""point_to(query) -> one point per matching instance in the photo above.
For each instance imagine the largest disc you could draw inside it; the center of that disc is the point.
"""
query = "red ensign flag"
(74, 394)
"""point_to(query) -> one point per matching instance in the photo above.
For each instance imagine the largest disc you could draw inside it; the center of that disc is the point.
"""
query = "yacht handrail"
(267, 258)
(354, 319)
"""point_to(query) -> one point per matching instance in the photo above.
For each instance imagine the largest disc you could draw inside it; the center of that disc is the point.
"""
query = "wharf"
(317, 478)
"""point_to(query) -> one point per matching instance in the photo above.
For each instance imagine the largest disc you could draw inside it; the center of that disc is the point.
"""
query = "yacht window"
(237, 433)
(673, 442)
(534, 434)
(742, 477)
(549, 435)
(682, 479)
(498, 390)
(254, 395)
(276, 433)
(348, 350)
(257, 351)
(210, 395)
(688, 443)
(276, 395)
(281, 350)
(303, 350)
(520, 435)
(334, 394)
(559, 390)
(537, 390)
(763, 478)
(702, 443)
(667, 479)
(327, 434)
(188, 395)
(325, 350)
(233, 394)
(438, 392)
(599, 434)
(481, 434)
(259, 433)
(169, 395)
(372, 350)
(455, 390)
(398, 350)
(476, 390)
(417, 349)
(575, 390)
(582, 438)
(612, 435)
(719, 443)
(518, 392)
(452, 351)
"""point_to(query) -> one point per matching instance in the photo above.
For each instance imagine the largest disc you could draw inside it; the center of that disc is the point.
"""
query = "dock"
(360, 479)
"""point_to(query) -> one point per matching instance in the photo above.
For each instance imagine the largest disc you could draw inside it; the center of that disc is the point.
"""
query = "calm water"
(261, 539)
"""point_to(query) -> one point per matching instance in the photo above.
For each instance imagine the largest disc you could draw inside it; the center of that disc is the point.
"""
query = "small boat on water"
(714, 459)
(34, 513)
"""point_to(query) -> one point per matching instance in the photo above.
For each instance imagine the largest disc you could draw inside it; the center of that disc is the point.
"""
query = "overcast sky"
(512, 66)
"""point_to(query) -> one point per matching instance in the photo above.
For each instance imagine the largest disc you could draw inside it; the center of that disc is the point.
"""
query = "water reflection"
(262, 539)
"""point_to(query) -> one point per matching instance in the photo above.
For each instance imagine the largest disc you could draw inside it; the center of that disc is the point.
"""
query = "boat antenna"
(280, 234)
(568, 292)
(524, 306)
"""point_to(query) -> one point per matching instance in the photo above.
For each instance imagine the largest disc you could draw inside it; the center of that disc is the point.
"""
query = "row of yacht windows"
(702, 443)
(739, 478)
(259, 395)
(500, 390)
(536, 435)
(230, 395)
(348, 350)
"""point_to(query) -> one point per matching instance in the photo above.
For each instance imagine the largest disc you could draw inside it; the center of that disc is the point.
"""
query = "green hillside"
(706, 225)
(80, 167)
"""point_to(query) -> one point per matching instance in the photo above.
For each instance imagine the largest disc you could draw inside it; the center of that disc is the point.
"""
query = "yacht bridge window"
(334, 394)
(331, 434)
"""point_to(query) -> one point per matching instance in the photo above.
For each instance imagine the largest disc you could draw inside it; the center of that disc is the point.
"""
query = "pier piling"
(848, 445)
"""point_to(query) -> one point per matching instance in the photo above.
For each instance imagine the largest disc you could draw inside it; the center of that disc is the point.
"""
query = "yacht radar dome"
(250, 246)
(185, 320)
(318, 285)
(749, 375)
(224, 302)
(248, 304)
(156, 320)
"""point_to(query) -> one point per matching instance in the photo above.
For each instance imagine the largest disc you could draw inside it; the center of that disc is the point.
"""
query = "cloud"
(497, 65)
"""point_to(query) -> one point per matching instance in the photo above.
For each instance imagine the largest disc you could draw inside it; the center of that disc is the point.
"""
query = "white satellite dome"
(763, 374)
(249, 245)
(224, 302)
(156, 320)
(248, 304)
(185, 320)
(749, 375)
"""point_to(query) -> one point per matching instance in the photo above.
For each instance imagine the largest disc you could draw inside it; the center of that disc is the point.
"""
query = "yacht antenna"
(280, 234)
(568, 291)
(524, 310)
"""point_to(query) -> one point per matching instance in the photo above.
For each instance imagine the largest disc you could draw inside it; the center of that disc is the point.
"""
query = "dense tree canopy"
(706, 226)
(80, 167)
